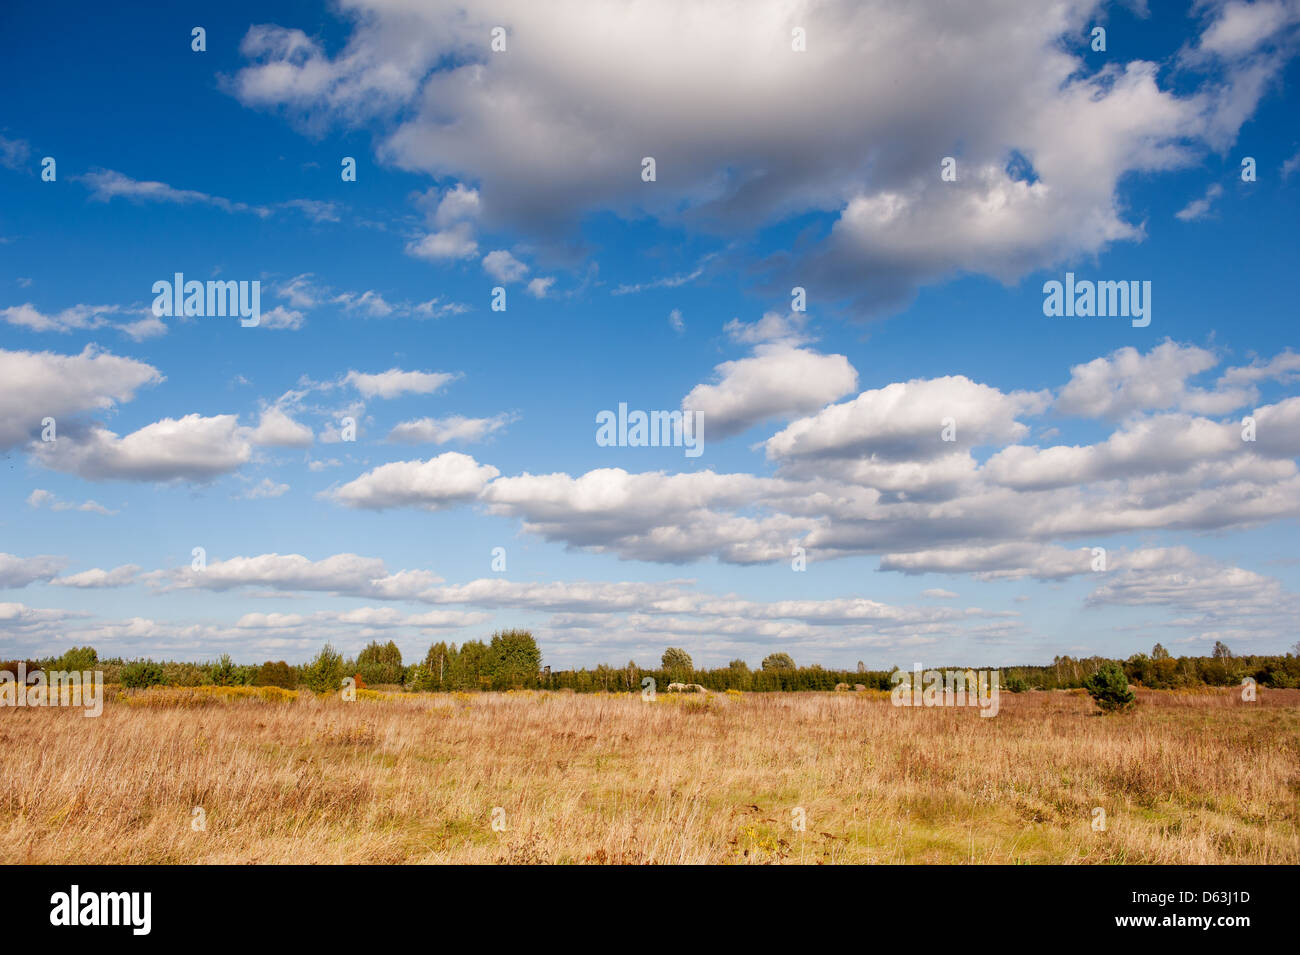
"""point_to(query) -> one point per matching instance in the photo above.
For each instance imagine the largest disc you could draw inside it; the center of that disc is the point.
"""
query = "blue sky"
(776, 168)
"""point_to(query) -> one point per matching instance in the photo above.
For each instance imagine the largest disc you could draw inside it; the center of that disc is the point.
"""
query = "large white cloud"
(37, 385)
(906, 421)
(861, 119)
(191, 448)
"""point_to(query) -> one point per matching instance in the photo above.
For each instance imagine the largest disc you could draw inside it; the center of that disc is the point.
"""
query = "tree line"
(511, 659)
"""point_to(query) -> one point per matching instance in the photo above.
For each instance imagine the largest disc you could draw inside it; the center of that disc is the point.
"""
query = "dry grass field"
(1187, 778)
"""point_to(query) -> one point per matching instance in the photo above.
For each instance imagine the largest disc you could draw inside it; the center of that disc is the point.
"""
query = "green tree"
(380, 663)
(473, 668)
(778, 661)
(738, 665)
(142, 673)
(514, 658)
(224, 672)
(325, 673)
(437, 665)
(677, 661)
(77, 658)
(1109, 687)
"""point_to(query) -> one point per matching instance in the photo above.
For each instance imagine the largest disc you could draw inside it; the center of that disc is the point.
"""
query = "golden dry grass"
(1197, 778)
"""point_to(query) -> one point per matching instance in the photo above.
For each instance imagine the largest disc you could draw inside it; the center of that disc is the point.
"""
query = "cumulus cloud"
(421, 70)
(36, 385)
(873, 476)
(1126, 381)
(345, 573)
(277, 429)
(905, 420)
(192, 448)
(440, 482)
(454, 242)
(777, 381)
(504, 267)
(540, 286)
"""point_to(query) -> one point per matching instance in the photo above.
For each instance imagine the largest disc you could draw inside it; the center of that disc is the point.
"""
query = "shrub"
(1109, 687)
(142, 673)
(183, 674)
(275, 674)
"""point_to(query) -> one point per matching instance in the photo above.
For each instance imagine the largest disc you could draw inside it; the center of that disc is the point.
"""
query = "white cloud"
(843, 149)
(1200, 208)
(444, 481)
(143, 328)
(904, 421)
(43, 498)
(265, 488)
(395, 382)
(1127, 381)
(452, 428)
(277, 429)
(192, 448)
(97, 578)
(345, 573)
(76, 318)
(281, 317)
(107, 184)
(1242, 27)
(1012, 561)
(36, 385)
(786, 329)
(18, 572)
(503, 266)
(539, 286)
(777, 381)
(454, 242)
